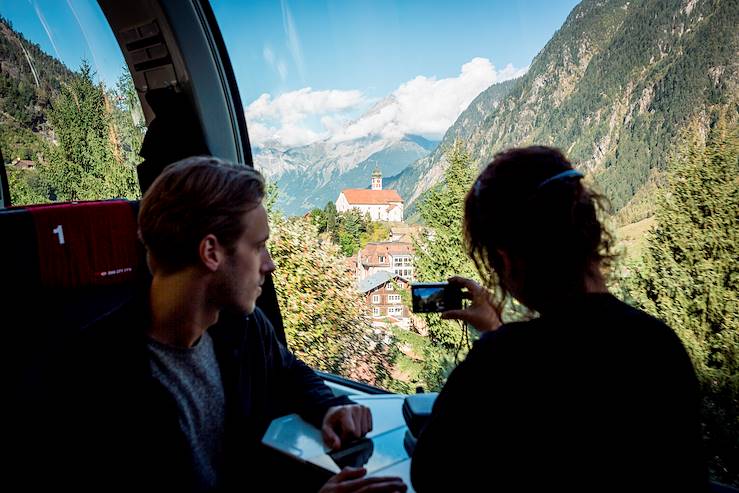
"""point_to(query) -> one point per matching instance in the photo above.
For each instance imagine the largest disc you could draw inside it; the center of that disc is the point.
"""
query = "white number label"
(59, 232)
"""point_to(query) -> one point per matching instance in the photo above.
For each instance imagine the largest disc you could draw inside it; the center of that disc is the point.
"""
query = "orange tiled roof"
(372, 251)
(371, 197)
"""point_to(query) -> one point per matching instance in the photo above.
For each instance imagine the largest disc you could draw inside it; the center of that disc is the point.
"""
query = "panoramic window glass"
(71, 124)
(371, 120)
(352, 110)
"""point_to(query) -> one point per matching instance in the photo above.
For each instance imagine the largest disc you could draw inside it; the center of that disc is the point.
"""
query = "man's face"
(245, 269)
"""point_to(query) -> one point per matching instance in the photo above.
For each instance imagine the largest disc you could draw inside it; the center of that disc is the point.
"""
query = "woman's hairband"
(559, 176)
(565, 174)
(476, 188)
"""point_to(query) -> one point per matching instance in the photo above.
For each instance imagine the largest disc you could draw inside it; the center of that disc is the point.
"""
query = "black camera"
(432, 297)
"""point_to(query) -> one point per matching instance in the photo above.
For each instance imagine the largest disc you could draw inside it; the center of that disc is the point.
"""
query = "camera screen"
(438, 297)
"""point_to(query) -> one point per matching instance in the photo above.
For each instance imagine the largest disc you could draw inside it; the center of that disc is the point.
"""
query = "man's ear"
(212, 253)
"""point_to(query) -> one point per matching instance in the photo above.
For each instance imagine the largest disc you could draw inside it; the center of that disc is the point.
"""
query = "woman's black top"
(596, 397)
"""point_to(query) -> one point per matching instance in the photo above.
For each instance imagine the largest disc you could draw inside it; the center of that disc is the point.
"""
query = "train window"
(342, 102)
(371, 120)
(72, 124)
(350, 107)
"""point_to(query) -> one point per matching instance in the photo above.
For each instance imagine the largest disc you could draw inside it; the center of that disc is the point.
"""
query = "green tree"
(351, 226)
(26, 186)
(329, 212)
(689, 277)
(325, 319)
(18, 142)
(271, 193)
(83, 166)
(440, 254)
(375, 231)
(318, 218)
(128, 118)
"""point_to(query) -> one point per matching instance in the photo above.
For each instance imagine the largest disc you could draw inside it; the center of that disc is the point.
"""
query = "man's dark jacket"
(117, 427)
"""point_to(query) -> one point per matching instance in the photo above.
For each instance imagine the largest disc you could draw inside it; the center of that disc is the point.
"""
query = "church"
(381, 205)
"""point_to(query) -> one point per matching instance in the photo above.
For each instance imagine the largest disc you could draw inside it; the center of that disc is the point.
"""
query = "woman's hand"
(481, 313)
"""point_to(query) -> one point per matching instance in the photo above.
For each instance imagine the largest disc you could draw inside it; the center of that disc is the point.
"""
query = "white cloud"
(283, 119)
(295, 105)
(288, 135)
(293, 41)
(295, 135)
(277, 64)
(333, 123)
(510, 72)
(269, 55)
(259, 134)
(281, 67)
(424, 105)
(428, 106)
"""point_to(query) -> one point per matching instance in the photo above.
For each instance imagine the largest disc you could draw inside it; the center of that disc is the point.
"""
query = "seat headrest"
(76, 245)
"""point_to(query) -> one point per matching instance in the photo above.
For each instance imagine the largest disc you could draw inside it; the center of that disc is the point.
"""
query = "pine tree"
(83, 166)
(271, 193)
(330, 214)
(440, 254)
(352, 225)
(689, 278)
(127, 118)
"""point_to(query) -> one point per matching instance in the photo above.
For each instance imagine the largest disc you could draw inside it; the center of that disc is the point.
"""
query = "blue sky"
(375, 45)
(70, 30)
(310, 70)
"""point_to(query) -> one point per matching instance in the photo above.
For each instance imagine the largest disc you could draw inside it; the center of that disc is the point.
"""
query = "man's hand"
(350, 480)
(345, 423)
(481, 313)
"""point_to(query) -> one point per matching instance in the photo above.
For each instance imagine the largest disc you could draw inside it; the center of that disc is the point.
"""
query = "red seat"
(65, 266)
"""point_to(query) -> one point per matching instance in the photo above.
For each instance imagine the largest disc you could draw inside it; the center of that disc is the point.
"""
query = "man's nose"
(268, 265)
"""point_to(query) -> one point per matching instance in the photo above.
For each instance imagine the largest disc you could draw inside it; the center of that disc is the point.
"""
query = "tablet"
(373, 454)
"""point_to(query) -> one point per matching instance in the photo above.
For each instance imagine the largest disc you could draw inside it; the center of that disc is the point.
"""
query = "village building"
(384, 301)
(406, 233)
(395, 257)
(23, 164)
(379, 204)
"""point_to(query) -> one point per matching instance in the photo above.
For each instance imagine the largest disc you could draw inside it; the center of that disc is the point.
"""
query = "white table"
(302, 441)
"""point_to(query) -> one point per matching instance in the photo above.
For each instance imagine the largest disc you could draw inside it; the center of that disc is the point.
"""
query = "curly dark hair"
(550, 226)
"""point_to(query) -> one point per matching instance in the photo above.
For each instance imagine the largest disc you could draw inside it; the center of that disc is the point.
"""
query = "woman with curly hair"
(589, 394)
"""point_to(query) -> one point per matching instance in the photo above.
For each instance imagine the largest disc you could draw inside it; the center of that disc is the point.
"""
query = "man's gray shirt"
(193, 378)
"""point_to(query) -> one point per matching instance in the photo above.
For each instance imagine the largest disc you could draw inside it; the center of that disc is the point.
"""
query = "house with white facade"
(395, 257)
(379, 204)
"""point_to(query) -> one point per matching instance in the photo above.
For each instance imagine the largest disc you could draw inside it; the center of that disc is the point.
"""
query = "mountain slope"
(29, 80)
(418, 177)
(614, 88)
(312, 175)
